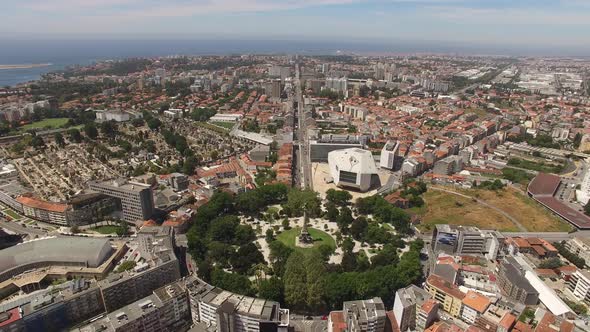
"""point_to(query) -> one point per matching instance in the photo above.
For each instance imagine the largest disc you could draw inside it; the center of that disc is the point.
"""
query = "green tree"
(244, 234)
(189, 165)
(286, 224)
(332, 212)
(279, 254)
(338, 197)
(59, 140)
(219, 253)
(344, 219)
(74, 135)
(137, 122)
(125, 266)
(295, 281)
(246, 257)
(90, 130)
(358, 228)
(304, 281)
(587, 209)
(325, 251)
(299, 201)
(154, 123)
(387, 256)
(109, 128)
(223, 229)
(232, 282)
(269, 236)
(348, 257)
(272, 289)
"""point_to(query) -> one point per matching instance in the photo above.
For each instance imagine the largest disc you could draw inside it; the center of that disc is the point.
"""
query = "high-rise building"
(228, 312)
(365, 315)
(166, 309)
(276, 89)
(390, 158)
(158, 268)
(512, 282)
(447, 294)
(406, 306)
(579, 285)
(137, 199)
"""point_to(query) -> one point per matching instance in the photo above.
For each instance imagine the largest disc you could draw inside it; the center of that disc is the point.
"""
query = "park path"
(495, 208)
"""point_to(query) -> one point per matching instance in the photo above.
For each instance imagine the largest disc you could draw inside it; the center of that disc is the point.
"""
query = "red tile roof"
(42, 205)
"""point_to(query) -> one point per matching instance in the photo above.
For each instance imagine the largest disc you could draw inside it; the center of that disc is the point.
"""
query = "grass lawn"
(209, 126)
(534, 217)
(12, 214)
(46, 123)
(107, 229)
(226, 125)
(319, 237)
(445, 208)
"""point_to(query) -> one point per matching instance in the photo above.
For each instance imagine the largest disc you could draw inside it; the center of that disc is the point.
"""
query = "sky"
(520, 23)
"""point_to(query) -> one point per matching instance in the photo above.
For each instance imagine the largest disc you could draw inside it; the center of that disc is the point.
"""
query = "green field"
(226, 125)
(319, 237)
(107, 229)
(12, 214)
(46, 124)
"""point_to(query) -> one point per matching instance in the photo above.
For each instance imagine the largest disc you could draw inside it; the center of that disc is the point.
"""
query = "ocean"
(83, 52)
(61, 53)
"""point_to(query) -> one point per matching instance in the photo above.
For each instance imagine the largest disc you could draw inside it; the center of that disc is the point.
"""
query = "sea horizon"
(62, 53)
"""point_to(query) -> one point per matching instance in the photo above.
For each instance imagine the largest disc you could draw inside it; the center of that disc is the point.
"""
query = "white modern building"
(353, 168)
(389, 154)
(226, 117)
(118, 116)
(583, 194)
(580, 247)
(579, 285)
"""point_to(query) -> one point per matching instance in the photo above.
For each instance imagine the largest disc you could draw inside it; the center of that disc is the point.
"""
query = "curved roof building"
(66, 251)
(353, 168)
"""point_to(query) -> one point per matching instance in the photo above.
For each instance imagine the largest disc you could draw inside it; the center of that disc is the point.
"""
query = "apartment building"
(137, 199)
(467, 240)
(158, 267)
(445, 293)
(166, 309)
(579, 247)
(408, 302)
(225, 311)
(365, 315)
(579, 285)
(474, 305)
(512, 282)
(390, 158)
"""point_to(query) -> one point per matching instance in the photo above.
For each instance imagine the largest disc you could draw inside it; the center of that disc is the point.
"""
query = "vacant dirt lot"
(445, 208)
(531, 215)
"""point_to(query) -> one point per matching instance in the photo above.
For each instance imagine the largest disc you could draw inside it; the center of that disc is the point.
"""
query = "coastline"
(24, 66)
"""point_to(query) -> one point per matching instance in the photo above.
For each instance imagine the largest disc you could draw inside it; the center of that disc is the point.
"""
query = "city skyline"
(501, 24)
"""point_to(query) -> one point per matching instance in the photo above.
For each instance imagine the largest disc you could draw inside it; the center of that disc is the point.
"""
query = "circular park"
(309, 253)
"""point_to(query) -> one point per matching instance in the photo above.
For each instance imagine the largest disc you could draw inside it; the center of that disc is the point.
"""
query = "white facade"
(226, 117)
(388, 154)
(468, 314)
(583, 194)
(580, 248)
(8, 171)
(579, 285)
(352, 168)
(118, 116)
(411, 110)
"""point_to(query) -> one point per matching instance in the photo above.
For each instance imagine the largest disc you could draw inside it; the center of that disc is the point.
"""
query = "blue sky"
(560, 23)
